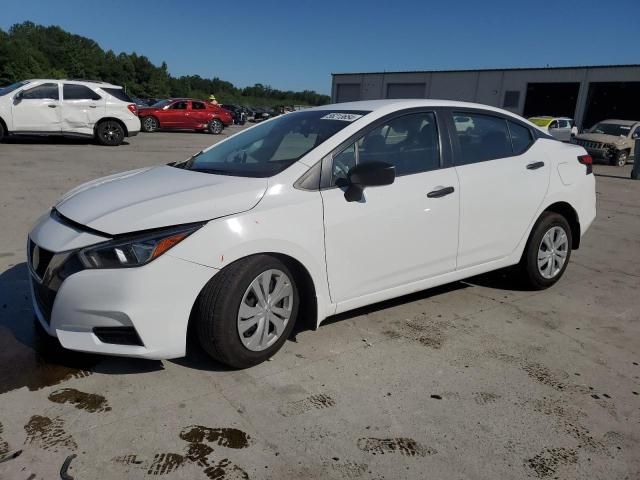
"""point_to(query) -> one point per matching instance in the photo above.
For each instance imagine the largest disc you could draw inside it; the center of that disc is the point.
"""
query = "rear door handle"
(92, 106)
(51, 105)
(535, 165)
(440, 192)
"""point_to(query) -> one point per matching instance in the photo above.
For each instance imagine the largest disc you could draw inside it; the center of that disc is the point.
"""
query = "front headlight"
(134, 251)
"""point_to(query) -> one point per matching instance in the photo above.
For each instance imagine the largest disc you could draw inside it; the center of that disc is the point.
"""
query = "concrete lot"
(475, 380)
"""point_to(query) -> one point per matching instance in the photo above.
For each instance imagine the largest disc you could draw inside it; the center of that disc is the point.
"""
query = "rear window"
(118, 93)
(71, 91)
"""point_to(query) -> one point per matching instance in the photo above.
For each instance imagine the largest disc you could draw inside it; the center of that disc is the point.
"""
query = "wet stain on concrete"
(225, 437)
(404, 446)
(197, 453)
(425, 331)
(542, 374)
(48, 434)
(313, 402)
(4, 446)
(164, 463)
(349, 470)
(91, 402)
(127, 460)
(225, 470)
(546, 463)
(483, 398)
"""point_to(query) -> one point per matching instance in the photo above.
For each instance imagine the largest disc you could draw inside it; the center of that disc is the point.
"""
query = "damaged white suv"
(70, 108)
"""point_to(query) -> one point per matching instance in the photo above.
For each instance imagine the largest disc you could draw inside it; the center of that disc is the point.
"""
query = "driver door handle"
(535, 165)
(52, 105)
(440, 192)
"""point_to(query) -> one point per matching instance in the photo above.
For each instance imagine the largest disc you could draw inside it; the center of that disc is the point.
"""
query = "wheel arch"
(4, 126)
(568, 212)
(308, 312)
(104, 119)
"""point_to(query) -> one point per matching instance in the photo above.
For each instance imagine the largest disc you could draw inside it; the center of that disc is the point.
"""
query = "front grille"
(44, 297)
(589, 144)
(39, 259)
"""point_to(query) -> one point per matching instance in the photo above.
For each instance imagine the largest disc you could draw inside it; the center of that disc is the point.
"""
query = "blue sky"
(297, 44)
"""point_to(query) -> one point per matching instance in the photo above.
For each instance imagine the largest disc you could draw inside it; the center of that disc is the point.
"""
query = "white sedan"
(302, 217)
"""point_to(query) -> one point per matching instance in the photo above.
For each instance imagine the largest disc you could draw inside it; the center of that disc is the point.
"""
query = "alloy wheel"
(265, 310)
(111, 132)
(552, 252)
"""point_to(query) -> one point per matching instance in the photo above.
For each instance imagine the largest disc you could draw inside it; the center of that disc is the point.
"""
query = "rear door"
(397, 234)
(81, 108)
(199, 114)
(503, 180)
(563, 132)
(37, 109)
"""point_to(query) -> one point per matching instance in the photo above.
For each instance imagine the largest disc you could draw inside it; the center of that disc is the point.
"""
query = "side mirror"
(17, 98)
(636, 135)
(370, 174)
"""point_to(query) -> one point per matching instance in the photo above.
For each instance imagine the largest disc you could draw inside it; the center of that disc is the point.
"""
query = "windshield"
(614, 129)
(12, 87)
(161, 104)
(269, 148)
(541, 122)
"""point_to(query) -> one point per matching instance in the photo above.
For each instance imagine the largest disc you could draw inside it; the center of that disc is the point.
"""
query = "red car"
(184, 114)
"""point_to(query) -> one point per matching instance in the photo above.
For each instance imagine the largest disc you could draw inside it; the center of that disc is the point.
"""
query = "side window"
(553, 124)
(78, 92)
(198, 106)
(44, 91)
(485, 137)
(520, 138)
(563, 124)
(409, 142)
(179, 106)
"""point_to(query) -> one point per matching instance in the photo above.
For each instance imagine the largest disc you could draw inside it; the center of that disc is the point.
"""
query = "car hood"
(599, 137)
(158, 197)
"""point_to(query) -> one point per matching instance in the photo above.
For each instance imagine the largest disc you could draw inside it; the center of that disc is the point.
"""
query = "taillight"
(588, 161)
(133, 108)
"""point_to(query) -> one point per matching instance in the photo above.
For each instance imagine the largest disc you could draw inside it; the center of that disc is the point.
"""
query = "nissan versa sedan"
(302, 217)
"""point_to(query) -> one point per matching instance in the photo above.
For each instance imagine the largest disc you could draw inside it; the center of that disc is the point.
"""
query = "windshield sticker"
(344, 117)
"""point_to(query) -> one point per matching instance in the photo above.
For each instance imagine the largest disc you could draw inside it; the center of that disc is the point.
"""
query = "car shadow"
(51, 140)
(30, 358)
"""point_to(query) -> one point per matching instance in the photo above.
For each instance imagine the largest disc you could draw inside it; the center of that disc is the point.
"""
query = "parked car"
(238, 113)
(68, 107)
(562, 128)
(611, 140)
(185, 114)
(311, 214)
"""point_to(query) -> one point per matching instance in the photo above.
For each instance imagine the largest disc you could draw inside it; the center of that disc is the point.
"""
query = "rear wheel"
(215, 126)
(247, 311)
(547, 252)
(149, 124)
(2, 132)
(620, 159)
(110, 133)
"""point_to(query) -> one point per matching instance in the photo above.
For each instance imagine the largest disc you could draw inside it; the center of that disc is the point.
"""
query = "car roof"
(399, 104)
(89, 83)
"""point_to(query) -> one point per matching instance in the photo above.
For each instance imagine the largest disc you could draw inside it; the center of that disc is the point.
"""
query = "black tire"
(215, 126)
(529, 263)
(149, 124)
(620, 158)
(2, 132)
(216, 311)
(110, 133)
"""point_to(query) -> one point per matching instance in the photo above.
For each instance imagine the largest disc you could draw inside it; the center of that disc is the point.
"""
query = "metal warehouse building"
(588, 94)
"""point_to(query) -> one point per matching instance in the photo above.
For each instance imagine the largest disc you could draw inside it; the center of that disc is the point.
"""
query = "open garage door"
(620, 100)
(555, 99)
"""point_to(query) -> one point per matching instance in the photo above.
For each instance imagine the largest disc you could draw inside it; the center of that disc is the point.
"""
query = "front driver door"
(399, 234)
(175, 116)
(37, 109)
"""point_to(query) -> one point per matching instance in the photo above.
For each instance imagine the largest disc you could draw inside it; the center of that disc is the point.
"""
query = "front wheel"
(620, 159)
(547, 252)
(215, 126)
(247, 311)
(2, 133)
(110, 133)
(149, 124)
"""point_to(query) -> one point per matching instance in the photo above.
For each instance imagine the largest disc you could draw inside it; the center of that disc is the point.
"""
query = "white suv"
(306, 215)
(68, 107)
